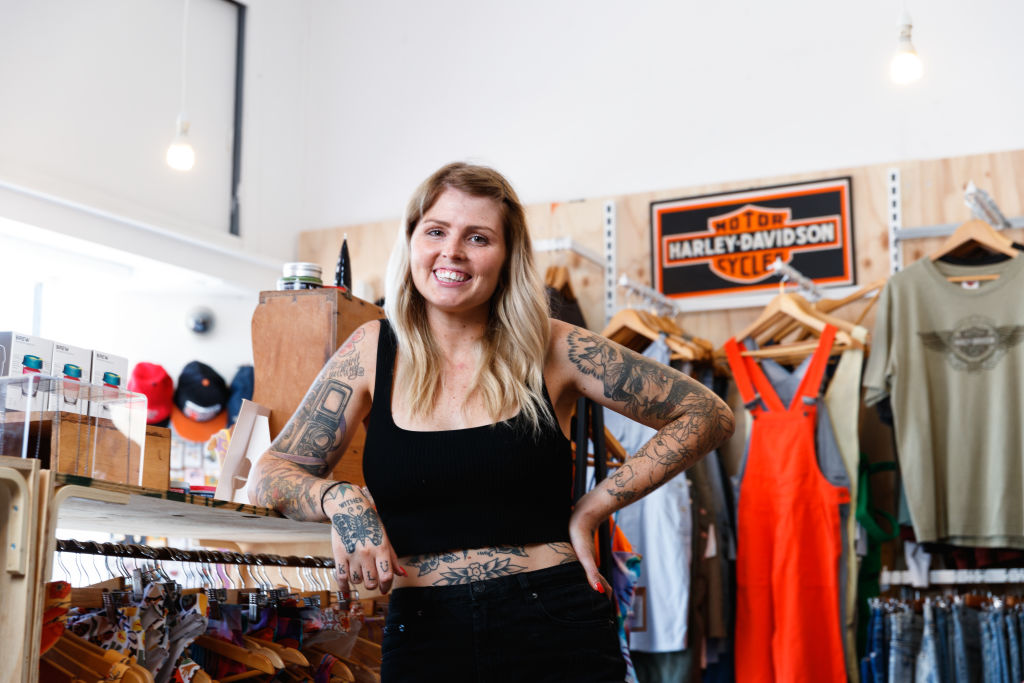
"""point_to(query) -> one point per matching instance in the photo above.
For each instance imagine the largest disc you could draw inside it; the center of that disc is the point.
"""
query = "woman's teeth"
(450, 275)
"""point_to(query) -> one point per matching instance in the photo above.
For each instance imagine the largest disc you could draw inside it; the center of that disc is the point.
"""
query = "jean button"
(478, 588)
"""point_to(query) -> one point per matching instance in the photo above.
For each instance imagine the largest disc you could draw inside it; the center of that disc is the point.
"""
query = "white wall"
(72, 291)
(582, 100)
(349, 104)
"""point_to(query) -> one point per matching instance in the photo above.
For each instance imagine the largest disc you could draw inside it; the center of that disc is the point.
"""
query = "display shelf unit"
(45, 501)
(84, 504)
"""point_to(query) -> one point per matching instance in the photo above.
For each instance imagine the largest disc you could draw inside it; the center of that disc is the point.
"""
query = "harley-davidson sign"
(724, 244)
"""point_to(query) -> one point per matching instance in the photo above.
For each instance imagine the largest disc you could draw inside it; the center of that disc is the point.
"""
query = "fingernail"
(599, 587)
(401, 571)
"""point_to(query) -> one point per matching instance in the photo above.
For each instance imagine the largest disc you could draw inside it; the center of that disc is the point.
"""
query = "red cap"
(153, 381)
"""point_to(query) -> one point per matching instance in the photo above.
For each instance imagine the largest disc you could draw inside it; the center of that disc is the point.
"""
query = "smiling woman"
(456, 253)
(467, 391)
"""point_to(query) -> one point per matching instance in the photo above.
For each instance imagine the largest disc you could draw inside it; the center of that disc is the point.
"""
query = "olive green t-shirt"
(951, 357)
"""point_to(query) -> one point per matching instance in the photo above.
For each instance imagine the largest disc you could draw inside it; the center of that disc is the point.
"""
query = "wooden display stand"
(94, 447)
(293, 334)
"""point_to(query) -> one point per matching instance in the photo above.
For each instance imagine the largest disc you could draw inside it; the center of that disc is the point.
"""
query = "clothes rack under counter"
(954, 577)
(85, 504)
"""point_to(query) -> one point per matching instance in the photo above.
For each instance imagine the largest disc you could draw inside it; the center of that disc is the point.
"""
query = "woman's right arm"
(290, 476)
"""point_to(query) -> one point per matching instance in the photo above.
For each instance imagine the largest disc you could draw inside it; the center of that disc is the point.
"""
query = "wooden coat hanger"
(235, 653)
(831, 305)
(634, 330)
(259, 647)
(980, 233)
(289, 655)
(557, 278)
(675, 337)
(792, 308)
(797, 309)
(338, 669)
(96, 657)
(50, 671)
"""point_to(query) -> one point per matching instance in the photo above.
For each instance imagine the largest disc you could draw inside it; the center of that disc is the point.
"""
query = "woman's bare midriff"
(478, 564)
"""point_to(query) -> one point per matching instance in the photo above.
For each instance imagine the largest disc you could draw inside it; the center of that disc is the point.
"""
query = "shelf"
(955, 577)
(85, 504)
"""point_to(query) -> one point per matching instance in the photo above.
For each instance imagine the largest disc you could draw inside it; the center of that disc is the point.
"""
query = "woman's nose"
(453, 249)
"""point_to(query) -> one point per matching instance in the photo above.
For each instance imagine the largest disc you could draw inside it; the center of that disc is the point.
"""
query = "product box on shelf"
(24, 354)
(109, 371)
(71, 364)
(76, 441)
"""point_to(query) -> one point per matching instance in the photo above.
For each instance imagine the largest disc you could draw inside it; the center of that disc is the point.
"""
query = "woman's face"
(456, 252)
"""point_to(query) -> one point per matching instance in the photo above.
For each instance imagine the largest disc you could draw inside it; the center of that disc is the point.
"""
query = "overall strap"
(810, 386)
(739, 371)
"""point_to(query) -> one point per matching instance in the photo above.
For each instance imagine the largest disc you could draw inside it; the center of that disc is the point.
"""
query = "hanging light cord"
(184, 54)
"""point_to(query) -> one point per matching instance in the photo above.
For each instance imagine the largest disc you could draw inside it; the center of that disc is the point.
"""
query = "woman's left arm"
(691, 421)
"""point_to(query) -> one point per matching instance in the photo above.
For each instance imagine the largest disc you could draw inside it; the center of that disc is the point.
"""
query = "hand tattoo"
(358, 525)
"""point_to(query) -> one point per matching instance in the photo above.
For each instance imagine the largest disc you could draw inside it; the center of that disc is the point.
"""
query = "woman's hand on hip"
(363, 555)
(581, 534)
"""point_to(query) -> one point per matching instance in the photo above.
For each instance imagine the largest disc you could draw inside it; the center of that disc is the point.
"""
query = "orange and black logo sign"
(724, 244)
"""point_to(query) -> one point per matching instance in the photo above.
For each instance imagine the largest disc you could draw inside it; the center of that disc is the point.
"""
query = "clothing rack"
(662, 304)
(982, 206)
(788, 272)
(568, 244)
(145, 552)
(953, 577)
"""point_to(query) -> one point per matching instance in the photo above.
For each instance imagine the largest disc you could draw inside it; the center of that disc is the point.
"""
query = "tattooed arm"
(290, 476)
(690, 419)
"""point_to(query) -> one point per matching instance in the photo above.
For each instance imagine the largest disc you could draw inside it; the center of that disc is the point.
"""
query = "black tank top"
(464, 488)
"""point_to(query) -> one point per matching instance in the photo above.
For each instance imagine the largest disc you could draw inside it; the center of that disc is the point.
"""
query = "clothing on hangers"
(951, 358)
(659, 526)
(787, 615)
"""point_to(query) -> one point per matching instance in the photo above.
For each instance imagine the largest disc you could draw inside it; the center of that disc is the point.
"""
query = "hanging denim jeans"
(926, 669)
(878, 645)
(866, 676)
(1013, 636)
(904, 640)
(967, 644)
(992, 657)
(999, 628)
(944, 641)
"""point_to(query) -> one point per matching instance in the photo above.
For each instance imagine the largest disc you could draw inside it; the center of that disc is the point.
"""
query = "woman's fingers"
(582, 540)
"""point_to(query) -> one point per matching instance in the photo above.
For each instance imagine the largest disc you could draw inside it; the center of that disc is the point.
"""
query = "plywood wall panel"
(932, 193)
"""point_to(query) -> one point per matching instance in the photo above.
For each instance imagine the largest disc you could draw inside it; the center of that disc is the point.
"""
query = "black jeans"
(545, 625)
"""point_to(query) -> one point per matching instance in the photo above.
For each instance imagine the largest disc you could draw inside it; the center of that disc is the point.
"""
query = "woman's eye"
(433, 232)
(478, 239)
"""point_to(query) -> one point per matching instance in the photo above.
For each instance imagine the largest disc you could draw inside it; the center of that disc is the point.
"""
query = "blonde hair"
(515, 342)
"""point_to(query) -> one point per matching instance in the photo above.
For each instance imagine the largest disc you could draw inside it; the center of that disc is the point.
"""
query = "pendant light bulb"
(180, 155)
(905, 67)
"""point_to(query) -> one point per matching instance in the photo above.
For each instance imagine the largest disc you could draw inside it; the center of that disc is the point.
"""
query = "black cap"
(201, 398)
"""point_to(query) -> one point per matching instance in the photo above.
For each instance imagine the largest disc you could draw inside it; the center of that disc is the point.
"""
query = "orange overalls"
(788, 547)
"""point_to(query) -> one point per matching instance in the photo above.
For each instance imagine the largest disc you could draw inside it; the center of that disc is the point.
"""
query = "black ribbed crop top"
(464, 488)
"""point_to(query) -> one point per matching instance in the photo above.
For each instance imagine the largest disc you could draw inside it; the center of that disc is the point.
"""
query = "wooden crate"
(93, 447)
(293, 334)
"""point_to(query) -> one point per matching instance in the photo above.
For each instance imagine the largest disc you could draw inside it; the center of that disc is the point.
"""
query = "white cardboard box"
(64, 354)
(14, 346)
(103, 363)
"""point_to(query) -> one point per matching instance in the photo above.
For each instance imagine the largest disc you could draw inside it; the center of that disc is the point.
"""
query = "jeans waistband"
(561, 574)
